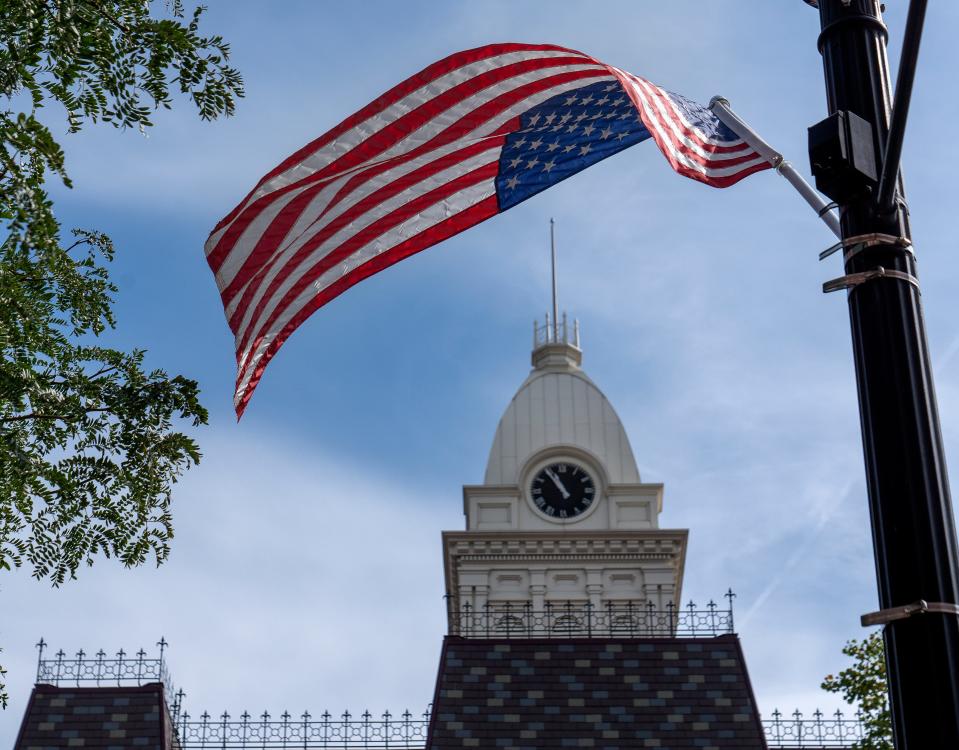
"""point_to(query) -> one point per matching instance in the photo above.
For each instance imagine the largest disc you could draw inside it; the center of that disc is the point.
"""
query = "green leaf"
(864, 685)
(90, 446)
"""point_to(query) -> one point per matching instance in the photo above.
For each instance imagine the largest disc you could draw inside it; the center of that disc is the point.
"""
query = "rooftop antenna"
(552, 251)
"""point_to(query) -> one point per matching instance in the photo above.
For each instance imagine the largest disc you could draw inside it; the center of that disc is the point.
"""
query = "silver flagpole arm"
(731, 120)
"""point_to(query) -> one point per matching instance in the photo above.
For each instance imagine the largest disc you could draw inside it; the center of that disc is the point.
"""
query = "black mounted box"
(842, 154)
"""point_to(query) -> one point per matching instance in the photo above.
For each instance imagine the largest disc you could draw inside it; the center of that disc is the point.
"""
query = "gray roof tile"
(613, 694)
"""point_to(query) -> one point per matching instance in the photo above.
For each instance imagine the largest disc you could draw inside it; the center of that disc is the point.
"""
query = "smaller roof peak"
(556, 344)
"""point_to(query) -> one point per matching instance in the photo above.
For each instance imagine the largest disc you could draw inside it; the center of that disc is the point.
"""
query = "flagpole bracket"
(720, 107)
(852, 280)
(893, 614)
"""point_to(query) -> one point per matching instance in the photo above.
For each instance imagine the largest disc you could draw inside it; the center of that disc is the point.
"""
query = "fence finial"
(41, 645)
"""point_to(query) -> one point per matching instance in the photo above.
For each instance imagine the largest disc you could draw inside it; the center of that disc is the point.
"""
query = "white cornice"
(657, 546)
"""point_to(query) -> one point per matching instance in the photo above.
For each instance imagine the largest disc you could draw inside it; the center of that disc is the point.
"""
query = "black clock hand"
(558, 484)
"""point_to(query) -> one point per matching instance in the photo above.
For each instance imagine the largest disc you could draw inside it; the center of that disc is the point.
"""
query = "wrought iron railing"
(100, 670)
(409, 732)
(406, 730)
(820, 731)
(585, 620)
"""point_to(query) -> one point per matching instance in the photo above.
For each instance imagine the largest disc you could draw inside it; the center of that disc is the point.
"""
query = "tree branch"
(35, 415)
(105, 16)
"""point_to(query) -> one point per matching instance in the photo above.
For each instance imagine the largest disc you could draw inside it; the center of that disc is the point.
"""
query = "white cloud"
(702, 320)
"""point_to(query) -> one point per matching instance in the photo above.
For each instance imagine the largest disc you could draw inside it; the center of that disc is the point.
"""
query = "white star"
(557, 128)
(606, 133)
(571, 129)
(512, 181)
(611, 87)
(581, 116)
(571, 100)
(588, 130)
(519, 143)
(516, 162)
(552, 147)
(570, 147)
(586, 99)
(536, 144)
(584, 150)
(532, 163)
(548, 166)
(620, 136)
(549, 118)
(601, 102)
(596, 116)
(534, 119)
(565, 117)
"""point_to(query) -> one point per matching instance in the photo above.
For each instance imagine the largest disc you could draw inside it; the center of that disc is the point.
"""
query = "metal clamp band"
(860, 19)
(880, 240)
(885, 616)
(827, 208)
(860, 242)
(853, 280)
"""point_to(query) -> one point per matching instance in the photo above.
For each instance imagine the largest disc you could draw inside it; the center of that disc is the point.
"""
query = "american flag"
(469, 136)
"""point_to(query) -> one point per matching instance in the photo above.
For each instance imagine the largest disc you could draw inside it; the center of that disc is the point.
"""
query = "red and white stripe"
(689, 150)
(412, 168)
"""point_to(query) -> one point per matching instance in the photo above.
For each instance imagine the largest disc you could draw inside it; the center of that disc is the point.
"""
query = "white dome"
(558, 405)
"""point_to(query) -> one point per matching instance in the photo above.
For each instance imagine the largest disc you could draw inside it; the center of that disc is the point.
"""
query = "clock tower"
(562, 532)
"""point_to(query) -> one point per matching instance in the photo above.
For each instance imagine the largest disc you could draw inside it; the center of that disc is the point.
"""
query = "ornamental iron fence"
(821, 731)
(99, 670)
(586, 620)
(409, 732)
(405, 731)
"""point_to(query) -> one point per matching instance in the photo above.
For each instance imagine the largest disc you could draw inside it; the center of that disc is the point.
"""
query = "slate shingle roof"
(607, 694)
(118, 718)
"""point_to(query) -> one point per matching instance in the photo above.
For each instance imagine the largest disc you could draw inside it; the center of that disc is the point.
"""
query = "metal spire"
(552, 251)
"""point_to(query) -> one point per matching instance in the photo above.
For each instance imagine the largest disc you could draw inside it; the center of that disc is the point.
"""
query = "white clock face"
(563, 490)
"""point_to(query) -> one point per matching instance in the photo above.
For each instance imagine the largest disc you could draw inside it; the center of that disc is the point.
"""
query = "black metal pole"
(889, 179)
(910, 508)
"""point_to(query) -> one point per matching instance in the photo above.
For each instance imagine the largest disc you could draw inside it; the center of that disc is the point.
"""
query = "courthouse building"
(564, 624)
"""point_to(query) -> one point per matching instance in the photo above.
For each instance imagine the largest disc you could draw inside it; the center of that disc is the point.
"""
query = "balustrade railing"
(585, 620)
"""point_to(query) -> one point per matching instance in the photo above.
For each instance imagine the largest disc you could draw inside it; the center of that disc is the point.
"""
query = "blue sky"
(306, 571)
